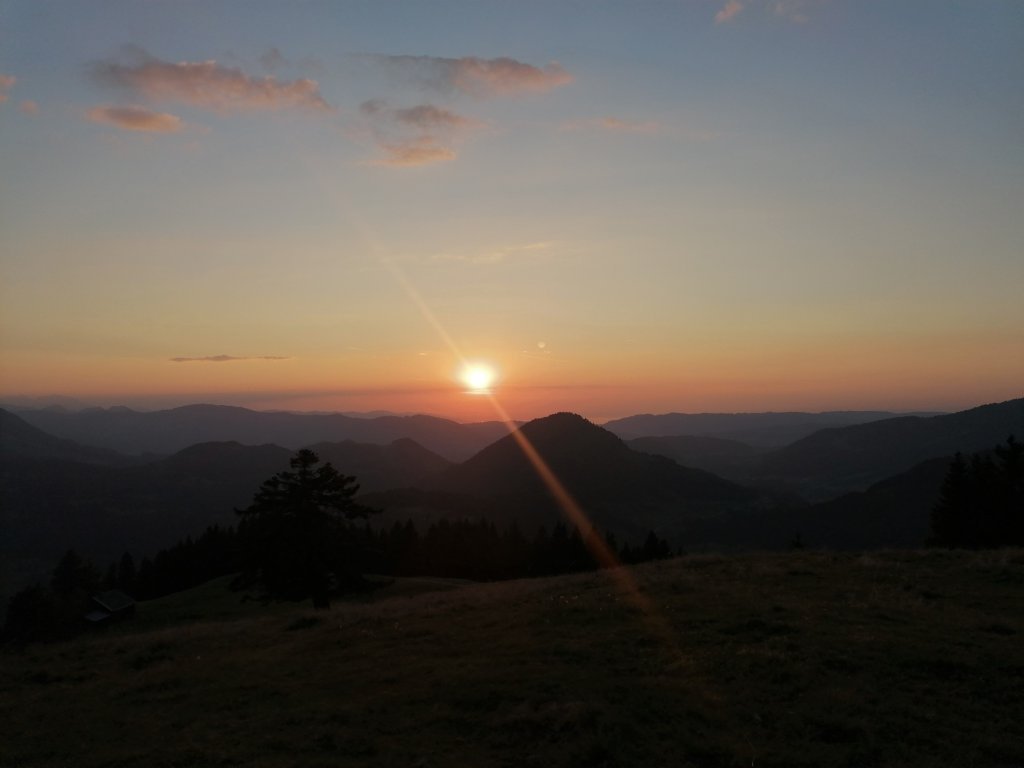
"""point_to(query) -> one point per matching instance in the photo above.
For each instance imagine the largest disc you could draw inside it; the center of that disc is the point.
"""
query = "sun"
(478, 377)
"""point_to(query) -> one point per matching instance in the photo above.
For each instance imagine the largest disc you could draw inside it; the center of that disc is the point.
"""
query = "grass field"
(804, 659)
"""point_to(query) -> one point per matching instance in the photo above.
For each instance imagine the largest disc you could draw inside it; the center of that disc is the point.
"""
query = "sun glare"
(478, 377)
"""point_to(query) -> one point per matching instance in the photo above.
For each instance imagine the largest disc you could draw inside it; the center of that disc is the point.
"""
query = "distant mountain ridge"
(165, 432)
(19, 438)
(764, 430)
(855, 457)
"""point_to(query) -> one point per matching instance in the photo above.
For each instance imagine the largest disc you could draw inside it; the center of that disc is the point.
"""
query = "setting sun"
(478, 377)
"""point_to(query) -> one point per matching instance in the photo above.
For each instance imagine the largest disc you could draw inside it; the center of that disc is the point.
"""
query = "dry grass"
(888, 659)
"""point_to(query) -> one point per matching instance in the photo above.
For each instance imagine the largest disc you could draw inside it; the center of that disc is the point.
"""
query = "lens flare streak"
(657, 624)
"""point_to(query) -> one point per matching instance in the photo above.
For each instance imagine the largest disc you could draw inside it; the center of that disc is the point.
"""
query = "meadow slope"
(801, 659)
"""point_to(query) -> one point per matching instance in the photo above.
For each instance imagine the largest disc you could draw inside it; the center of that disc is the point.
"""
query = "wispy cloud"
(614, 125)
(273, 60)
(500, 254)
(412, 152)
(424, 117)
(478, 77)
(419, 135)
(6, 83)
(135, 119)
(797, 11)
(728, 12)
(29, 107)
(223, 359)
(206, 84)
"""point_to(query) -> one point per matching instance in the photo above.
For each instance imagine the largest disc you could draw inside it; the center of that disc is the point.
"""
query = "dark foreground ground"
(882, 659)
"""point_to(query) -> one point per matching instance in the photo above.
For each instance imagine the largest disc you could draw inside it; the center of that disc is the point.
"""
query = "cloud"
(728, 12)
(797, 11)
(273, 60)
(413, 152)
(498, 255)
(223, 359)
(478, 77)
(617, 125)
(6, 83)
(207, 85)
(135, 119)
(614, 125)
(423, 117)
(419, 135)
(29, 107)
(429, 117)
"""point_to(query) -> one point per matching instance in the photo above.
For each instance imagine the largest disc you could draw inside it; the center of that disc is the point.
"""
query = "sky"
(617, 207)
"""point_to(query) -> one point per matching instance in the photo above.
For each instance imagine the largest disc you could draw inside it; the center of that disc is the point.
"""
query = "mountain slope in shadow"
(835, 461)
(725, 458)
(894, 512)
(619, 489)
(48, 505)
(19, 439)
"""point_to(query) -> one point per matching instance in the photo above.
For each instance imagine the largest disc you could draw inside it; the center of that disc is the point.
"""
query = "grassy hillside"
(887, 659)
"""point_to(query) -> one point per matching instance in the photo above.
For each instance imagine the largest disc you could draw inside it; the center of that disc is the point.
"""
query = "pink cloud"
(273, 60)
(427, 116)
(223, 359)
(794, 10)
(28, 107)
(480, 77)
(6, 83)
(135, 119)
(419, 135)
(208, 85)
(420, 150)
(614, 125)
(729, 11)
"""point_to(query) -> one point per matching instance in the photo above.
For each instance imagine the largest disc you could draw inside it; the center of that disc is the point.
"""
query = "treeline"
(982, 501)
(452, 549)
(478, 550)
(55, 610)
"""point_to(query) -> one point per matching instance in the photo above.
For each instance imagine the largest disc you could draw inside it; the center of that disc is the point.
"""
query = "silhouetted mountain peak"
(592, 463)
(569, 432)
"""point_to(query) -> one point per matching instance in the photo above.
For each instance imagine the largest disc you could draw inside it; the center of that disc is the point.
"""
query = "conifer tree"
(293, 534)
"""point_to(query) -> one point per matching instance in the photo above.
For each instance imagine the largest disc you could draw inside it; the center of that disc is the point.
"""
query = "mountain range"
(761, 430)
(165, 432)
(621, 490)
(872, 484)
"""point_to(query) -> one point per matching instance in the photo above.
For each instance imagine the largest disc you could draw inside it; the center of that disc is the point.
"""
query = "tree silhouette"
(982, 501)
(294, 535)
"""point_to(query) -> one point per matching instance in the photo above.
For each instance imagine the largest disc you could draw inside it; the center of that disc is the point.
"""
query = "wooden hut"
(110, 606)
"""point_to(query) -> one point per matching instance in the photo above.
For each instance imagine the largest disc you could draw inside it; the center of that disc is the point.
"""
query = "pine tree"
(982, 501)
(294, 532)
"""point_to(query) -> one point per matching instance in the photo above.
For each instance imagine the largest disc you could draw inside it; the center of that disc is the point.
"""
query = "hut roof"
(113, 601)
